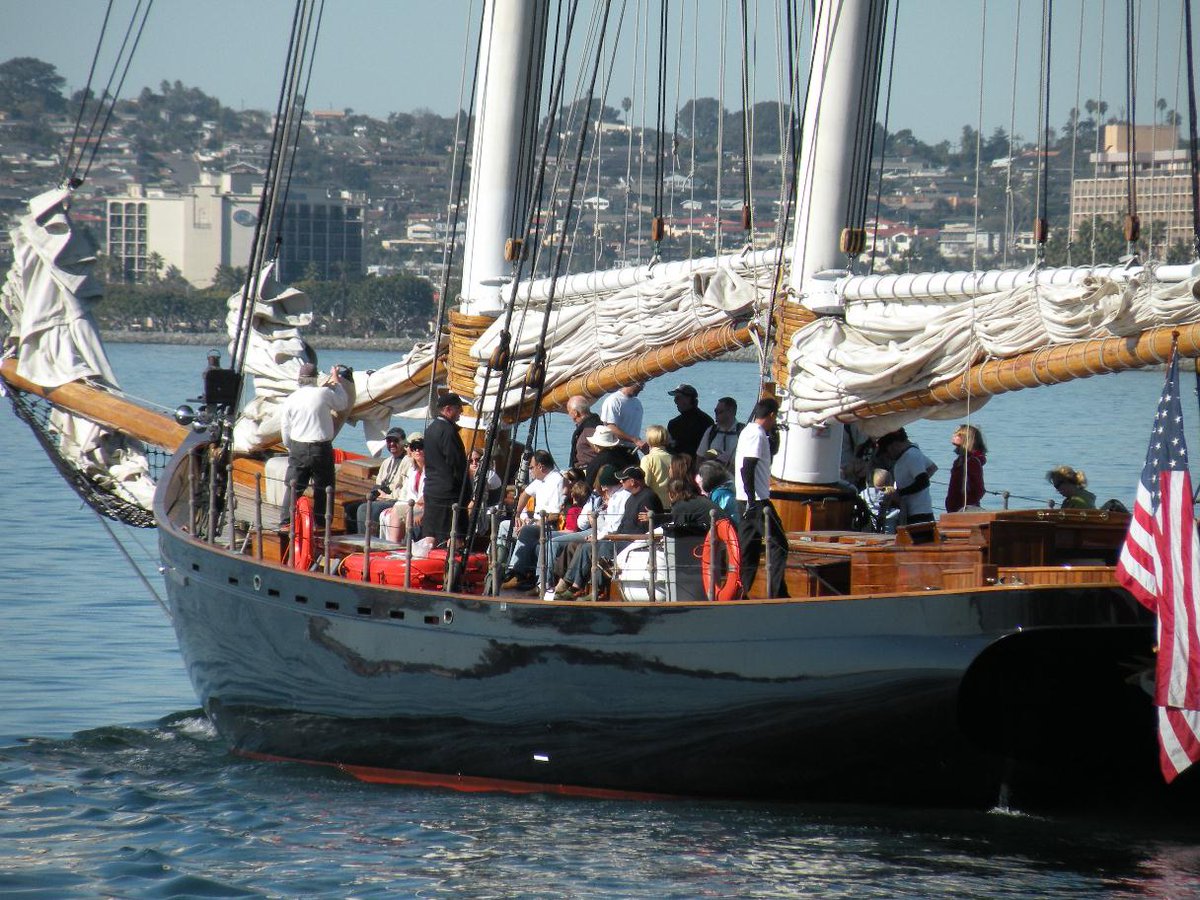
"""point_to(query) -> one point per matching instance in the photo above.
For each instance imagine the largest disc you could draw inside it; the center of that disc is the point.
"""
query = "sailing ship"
(947, 663)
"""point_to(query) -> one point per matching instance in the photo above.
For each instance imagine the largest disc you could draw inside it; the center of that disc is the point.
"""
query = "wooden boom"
(104, 408)
(1048, 365)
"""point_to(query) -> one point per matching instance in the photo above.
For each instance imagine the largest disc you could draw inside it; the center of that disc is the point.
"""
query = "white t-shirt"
(307, 414)
(547, 493)
(624, 412)
(905, 471)
(753, 443)
(609, 519)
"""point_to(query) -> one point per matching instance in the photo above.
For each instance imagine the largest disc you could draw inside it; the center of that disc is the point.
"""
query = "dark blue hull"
(937, 697)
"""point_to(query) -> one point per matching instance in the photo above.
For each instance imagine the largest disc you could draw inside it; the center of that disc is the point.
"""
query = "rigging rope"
(1041, 230)
(1131, 218)
(86, 93)
(1193, 141)
(95, 137)
(1009, 196)
(883, 147)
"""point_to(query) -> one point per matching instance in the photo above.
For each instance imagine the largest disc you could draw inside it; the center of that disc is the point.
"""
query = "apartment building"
(1162, 182)
(213, 223)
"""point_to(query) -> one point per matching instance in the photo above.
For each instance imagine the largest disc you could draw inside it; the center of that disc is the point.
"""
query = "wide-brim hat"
(603, 437)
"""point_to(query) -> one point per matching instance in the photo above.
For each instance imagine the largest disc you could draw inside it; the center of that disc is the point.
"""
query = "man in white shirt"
(307, 429)
(546, 490)
(759, 524)
(622, 412)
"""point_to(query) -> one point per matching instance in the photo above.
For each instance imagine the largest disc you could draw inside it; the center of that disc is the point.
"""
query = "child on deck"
(881, 512)
(577, 498)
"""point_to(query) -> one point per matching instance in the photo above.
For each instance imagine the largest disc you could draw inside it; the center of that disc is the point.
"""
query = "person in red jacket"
(966, 475)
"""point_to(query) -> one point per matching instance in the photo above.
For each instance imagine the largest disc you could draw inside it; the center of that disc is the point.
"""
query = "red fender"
(731, 587)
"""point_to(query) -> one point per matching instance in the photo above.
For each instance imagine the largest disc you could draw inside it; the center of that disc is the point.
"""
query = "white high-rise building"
(213, 223)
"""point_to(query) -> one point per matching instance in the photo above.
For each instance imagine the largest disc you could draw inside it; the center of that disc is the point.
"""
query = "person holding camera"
(307, 429)
(389, 484)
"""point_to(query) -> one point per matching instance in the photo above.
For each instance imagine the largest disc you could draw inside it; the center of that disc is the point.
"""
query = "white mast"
(503, 85)
(832, 119)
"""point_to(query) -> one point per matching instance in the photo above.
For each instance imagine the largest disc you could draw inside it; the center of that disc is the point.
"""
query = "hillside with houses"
(952, 204)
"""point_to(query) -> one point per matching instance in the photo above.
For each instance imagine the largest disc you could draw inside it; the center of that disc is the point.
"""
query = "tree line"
(393, 306)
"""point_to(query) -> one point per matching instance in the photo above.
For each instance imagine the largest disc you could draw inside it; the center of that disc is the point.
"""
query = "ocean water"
(112, 783)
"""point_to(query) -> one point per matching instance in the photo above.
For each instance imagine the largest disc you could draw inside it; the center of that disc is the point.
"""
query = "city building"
(212, 224)
(1162, 179)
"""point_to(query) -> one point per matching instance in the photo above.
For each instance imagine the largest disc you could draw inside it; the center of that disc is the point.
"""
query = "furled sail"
(587, 333)
(886, 349)
(48, 298)
(276, 349)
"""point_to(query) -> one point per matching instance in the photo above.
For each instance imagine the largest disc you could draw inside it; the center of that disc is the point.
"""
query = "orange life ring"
(731, 587)
(302, 534)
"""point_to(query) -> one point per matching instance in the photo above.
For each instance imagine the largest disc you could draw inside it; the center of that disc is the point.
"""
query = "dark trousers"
(309, 462)
(752, 539)
(439, 512)
(363, 515)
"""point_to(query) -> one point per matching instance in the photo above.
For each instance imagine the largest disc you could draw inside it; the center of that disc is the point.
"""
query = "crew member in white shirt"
(759, 524)
(307, 429)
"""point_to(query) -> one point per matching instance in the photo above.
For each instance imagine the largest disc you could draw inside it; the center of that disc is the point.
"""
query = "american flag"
(1160, 566)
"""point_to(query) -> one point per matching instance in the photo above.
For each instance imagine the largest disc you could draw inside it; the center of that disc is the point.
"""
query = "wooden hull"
(930, 697)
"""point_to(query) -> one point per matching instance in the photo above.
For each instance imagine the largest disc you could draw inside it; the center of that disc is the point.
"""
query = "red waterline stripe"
(470, 784)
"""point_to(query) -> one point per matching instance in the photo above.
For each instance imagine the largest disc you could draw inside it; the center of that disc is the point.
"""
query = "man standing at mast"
(445, 469)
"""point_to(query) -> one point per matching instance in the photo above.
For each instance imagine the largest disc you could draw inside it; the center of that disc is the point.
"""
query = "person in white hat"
(609, 452)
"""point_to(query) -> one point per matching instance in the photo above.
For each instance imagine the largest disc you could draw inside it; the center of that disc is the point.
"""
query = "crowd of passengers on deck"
(623, 478)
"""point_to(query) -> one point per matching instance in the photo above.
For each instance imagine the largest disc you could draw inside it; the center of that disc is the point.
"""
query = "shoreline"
(325, 342)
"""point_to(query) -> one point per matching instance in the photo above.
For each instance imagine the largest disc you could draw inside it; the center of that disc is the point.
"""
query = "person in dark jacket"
(692, 423)
(586, 423)
(641, 503)
(966, 475)
(445, 470)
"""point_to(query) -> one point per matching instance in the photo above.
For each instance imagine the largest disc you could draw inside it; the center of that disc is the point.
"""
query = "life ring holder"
(730, 588)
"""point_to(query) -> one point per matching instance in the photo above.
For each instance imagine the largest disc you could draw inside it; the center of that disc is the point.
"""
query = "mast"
(845, 36)
(511, 53)
(511, 37)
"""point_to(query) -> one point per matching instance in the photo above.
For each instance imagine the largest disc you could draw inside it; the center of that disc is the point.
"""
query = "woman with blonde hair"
(1071, 484)
(657, 462)
(966, 474)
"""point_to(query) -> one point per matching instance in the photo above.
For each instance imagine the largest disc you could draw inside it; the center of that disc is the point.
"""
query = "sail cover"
(588, 332)
(48, 298)
(885, 349)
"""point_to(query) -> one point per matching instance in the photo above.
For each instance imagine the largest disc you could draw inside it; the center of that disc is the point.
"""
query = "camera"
(344, 372)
